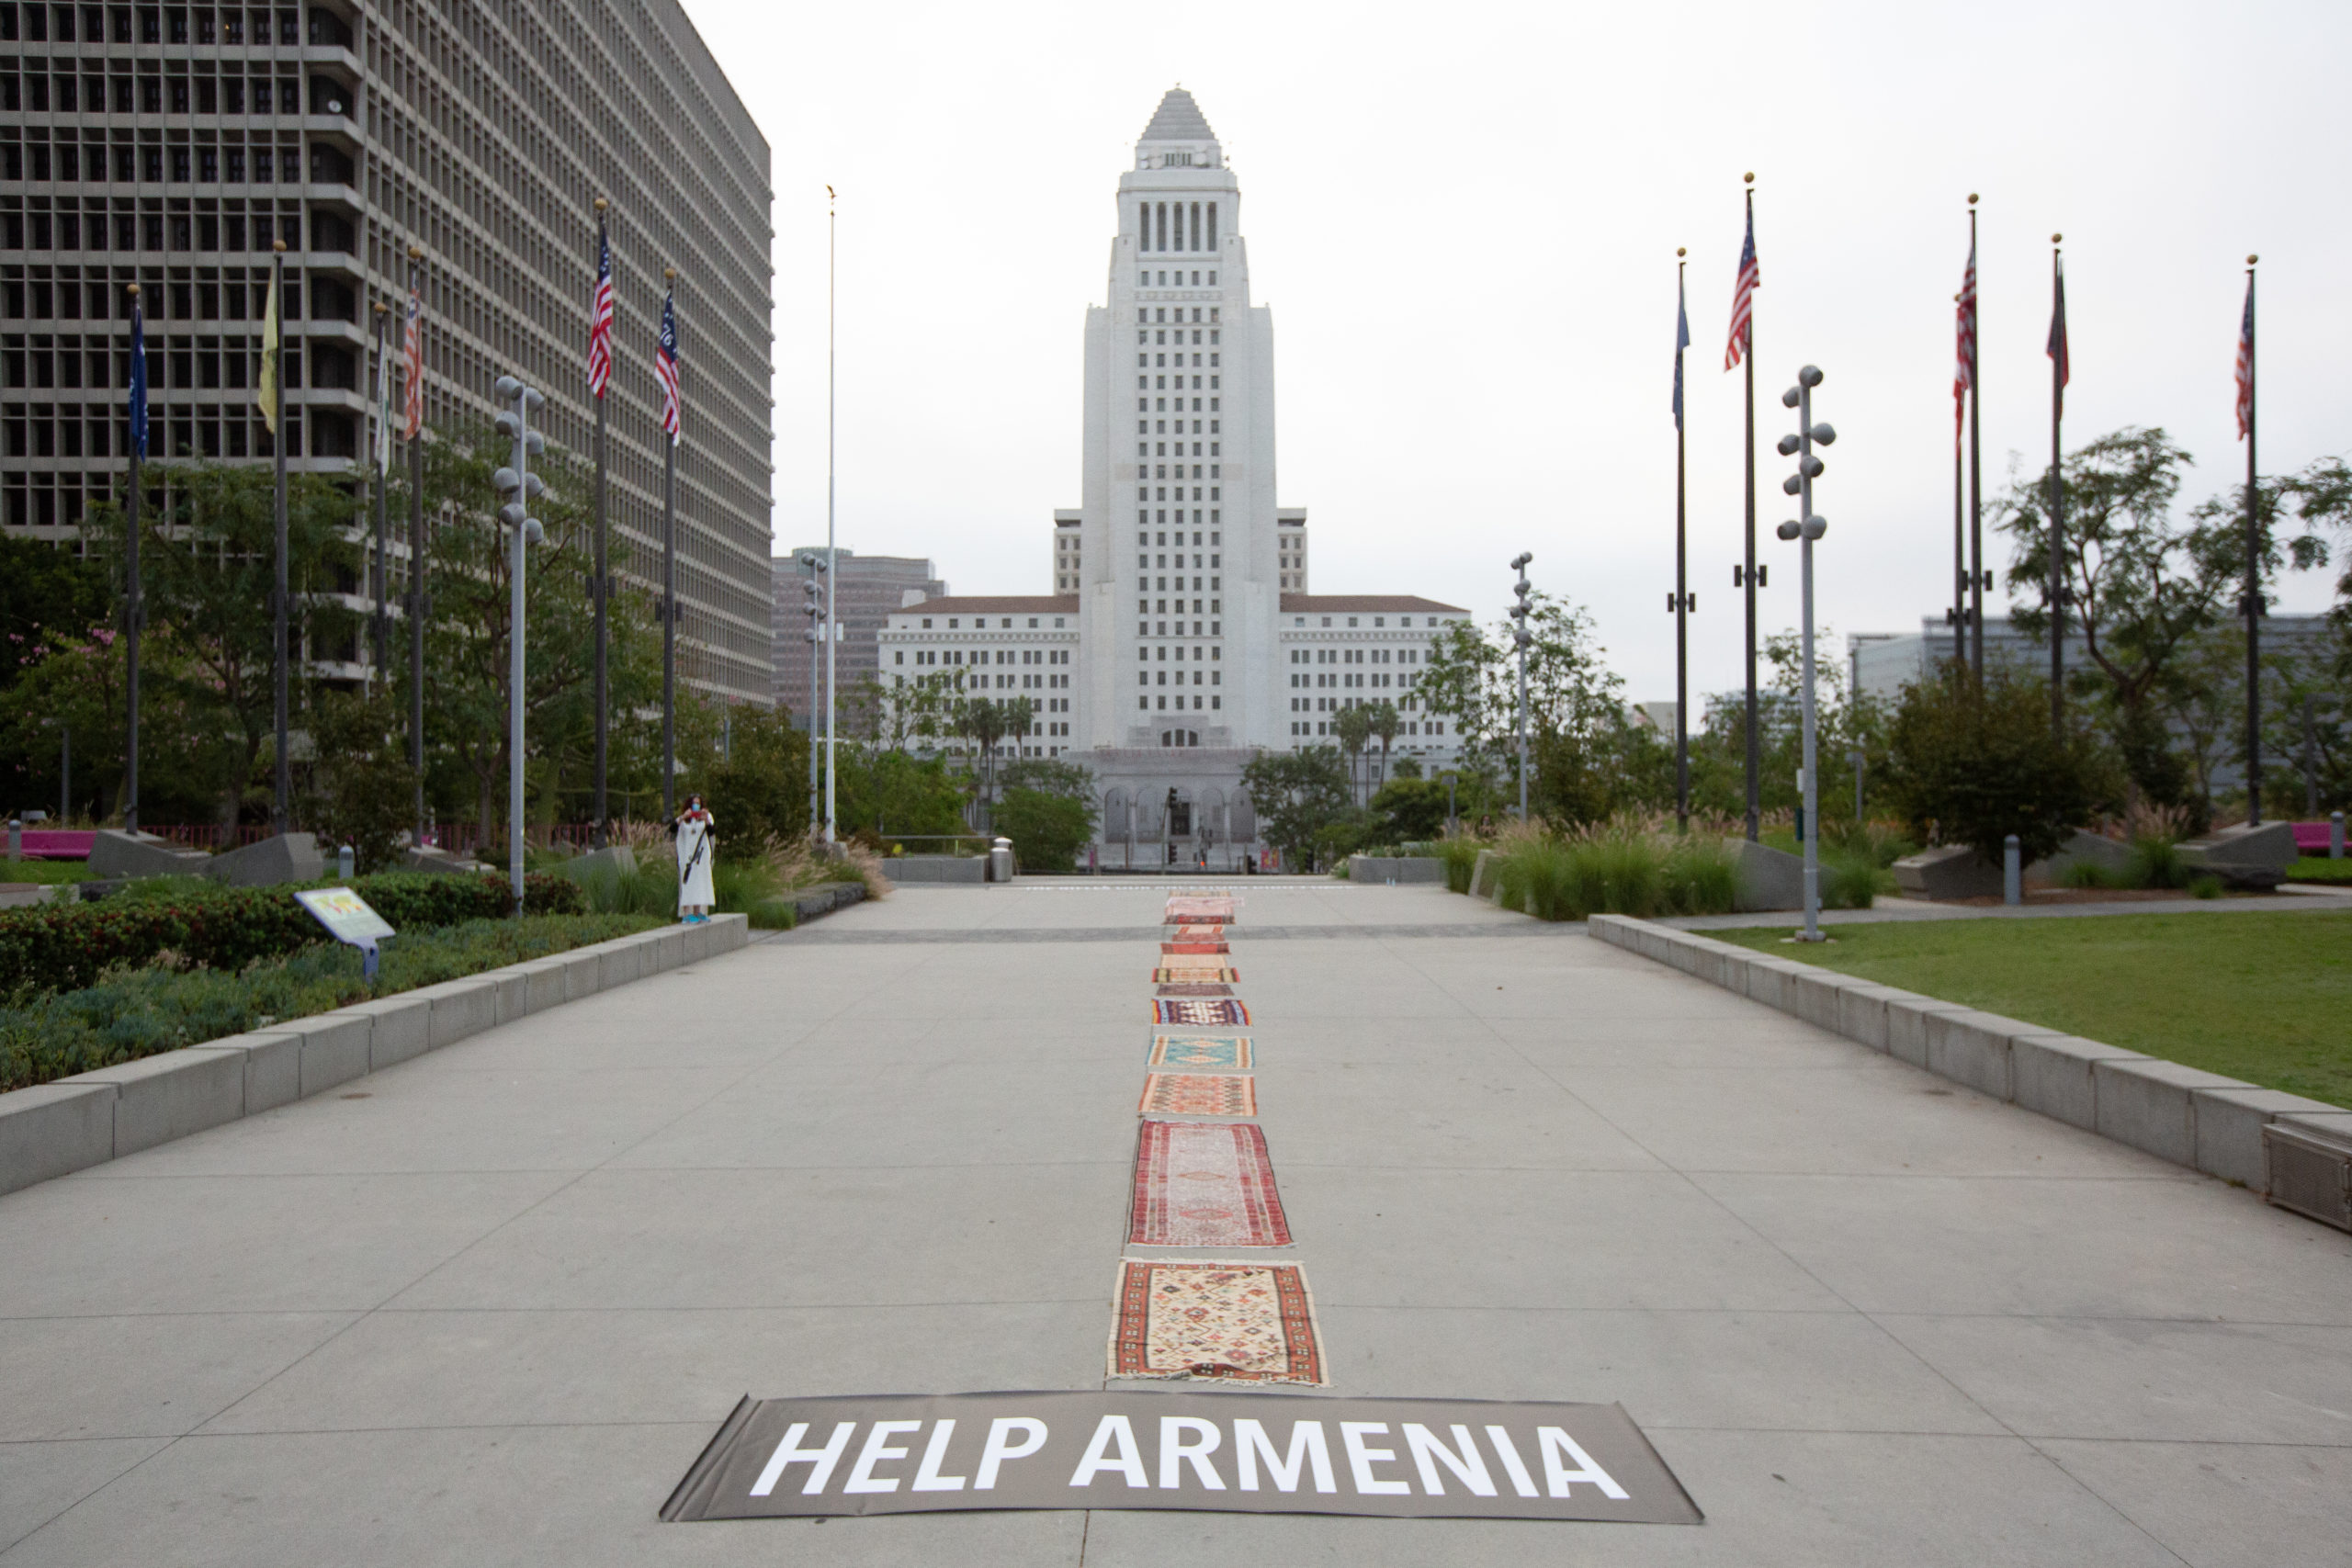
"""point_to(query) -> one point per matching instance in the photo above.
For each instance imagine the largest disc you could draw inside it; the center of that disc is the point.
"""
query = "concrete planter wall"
(2196, 1119)
(54, 1128)
(972, 868)
(1383, 868)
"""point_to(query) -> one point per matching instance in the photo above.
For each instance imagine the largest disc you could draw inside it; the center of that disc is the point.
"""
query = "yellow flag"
(272, 342)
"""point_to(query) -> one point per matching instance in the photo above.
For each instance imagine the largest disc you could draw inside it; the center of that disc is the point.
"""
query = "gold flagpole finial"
(278, 245)
(416, 253)
(1972, 198)
(601, 204)
(669, 275)
(2251, 260)
(1682, 250)
(2056, 239)
(382, 308)
(133, 291)
(1748, 178)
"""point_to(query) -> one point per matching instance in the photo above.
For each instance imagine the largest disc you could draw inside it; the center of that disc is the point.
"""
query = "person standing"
(694, 831)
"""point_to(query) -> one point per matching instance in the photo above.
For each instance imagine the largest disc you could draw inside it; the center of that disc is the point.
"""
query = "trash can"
(1000, 860)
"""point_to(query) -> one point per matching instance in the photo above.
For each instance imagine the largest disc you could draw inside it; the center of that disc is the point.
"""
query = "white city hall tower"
(1180, 639)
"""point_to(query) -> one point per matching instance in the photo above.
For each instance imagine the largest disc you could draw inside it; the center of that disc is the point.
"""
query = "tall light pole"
(1521, 639)
(832, 591)
(1807, 528)
(1682, 601)
(420, 603)
(669, 565)
(274, 356)
(814, 610)
(521, 485)
(133, 596)
(2253, 575)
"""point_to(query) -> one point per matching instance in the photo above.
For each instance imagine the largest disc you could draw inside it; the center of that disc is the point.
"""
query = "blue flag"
(138, 380)
(1682, 342)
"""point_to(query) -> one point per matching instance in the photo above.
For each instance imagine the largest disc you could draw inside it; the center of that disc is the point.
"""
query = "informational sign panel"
(1259, 1453)
(347, 918)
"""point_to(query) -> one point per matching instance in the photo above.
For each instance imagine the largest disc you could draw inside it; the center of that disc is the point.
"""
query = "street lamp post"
(1521, 637)
(520, 485)
(814, 609)
(1808, 528)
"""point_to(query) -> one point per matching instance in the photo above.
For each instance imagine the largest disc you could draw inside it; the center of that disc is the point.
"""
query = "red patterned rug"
(1208, 948)
(1204, 1184)
(1200, 1014)
(1238, 1322)
(1185, 909)
(1197, 1094)
(1194, 989)
(1216, 1052)
(1211, 972)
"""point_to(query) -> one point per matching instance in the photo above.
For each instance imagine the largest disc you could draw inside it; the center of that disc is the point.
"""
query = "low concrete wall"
(2196, 1119)
(973, 869)
(55, 1128)
(1383, 868)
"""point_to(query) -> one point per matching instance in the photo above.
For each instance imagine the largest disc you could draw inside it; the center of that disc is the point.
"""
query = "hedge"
(67, 947)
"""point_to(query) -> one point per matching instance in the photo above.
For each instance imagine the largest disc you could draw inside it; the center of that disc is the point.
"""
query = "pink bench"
(2311, 839)
(58, 843)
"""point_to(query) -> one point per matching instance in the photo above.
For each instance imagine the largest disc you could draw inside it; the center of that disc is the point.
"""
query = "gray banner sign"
(1263, 1453)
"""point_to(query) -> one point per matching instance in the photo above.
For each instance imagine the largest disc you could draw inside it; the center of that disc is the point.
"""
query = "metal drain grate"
(2311, 1172)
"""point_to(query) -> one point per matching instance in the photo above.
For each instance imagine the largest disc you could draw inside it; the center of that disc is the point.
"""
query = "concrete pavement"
(487, 1306)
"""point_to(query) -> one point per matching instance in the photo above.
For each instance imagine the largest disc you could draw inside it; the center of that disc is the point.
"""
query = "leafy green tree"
(1049, 829)
(1352, 726)
(758, 787)
(1051, 775)
(1971, 764)
(1296, 795)
(1411, 810)
(358, 787)
(50, 600)
(885, 792)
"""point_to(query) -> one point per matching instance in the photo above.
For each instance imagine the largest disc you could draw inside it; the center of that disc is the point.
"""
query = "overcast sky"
(1465, 220)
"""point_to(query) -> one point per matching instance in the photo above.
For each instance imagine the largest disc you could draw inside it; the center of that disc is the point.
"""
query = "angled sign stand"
(348, 919)
(1260, 1453)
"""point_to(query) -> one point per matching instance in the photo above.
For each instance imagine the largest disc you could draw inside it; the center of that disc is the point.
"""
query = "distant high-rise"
(170, 146)
(870, 588)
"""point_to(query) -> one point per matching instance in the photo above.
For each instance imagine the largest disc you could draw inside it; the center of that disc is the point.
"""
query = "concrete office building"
(1181, 621)
(171, 145)
(870, 588)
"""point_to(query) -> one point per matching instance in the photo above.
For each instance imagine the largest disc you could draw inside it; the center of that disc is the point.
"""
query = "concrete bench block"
(541, 986)
(1972, 1048)
(461, 1009)
(335, 1049)
(728, 932)
(2151, 1105)
(399, 1028)
(1861, 1012)
(2229, 1129)
(54, 1128)
(1819, 994)
(618, 963)
(1907, 1026)
(666, 948)
(2051, 1073)
(273, 1067)
(583, 971)
(170, 1095)
(1773, 981)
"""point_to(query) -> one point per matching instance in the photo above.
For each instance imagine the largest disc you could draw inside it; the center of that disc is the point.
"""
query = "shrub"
(1046, 829)
(2089, 874)
(134, 1012)
(2156, 862)
(1461, 858)
(1622, 867)
(1848, 880)
(67, 947)
(2205, 887)
(1978, 763)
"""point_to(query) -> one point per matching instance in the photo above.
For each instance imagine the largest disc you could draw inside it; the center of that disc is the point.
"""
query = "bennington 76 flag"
(1264, 1453)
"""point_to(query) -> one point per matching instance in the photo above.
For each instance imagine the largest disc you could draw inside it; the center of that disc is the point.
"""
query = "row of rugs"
(1207, 1184)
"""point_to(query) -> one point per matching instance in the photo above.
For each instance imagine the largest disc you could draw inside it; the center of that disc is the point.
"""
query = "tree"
(1971, 764)
(1352, 726)
(1381, 720)
(1296, 795)
(758, 788)
(881, 791)
(1473, 678)
(358, 787)
(209, 565)
(2141, 588)
(1411, 810)
(50, 600)
(1049, 829)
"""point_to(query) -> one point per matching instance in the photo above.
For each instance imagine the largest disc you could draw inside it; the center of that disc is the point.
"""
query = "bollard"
(2335, 835)
(344, 863)
(2012, 875)
(16, 835)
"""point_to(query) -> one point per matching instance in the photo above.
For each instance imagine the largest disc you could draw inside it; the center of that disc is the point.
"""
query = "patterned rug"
(1197, 1094)
(1218, 1052)
(1204, 1184)
(1206, 949)
(1182, 908)
(1200, 1014)
(1216, 973)
(1239, 1322)
(1194, 989)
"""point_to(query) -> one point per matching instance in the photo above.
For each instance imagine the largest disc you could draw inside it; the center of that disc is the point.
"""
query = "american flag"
(600, 318)
(2057, 346)
(412, 364)
(1742, 298)
(665, 368)
(1964, 372)
(2245, 362)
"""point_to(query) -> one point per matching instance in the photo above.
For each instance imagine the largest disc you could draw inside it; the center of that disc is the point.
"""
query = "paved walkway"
(485, 1308)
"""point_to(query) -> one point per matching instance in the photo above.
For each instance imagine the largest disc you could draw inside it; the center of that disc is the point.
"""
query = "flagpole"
(670, 603)
(833, 575)
(1682, 569)
(1754, 756)
(2252, 582)
(418, 604)
(383, 481)
(1975, 461)
(604, 582)
(279, 608)
(2058, 353)
(1958, 555)
(134, 607)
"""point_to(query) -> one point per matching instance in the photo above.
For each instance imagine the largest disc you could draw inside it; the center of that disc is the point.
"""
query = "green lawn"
(2267, 997)
(2320, 869)
(44, 871)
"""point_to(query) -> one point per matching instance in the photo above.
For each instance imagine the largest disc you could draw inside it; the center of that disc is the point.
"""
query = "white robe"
(695, 850)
